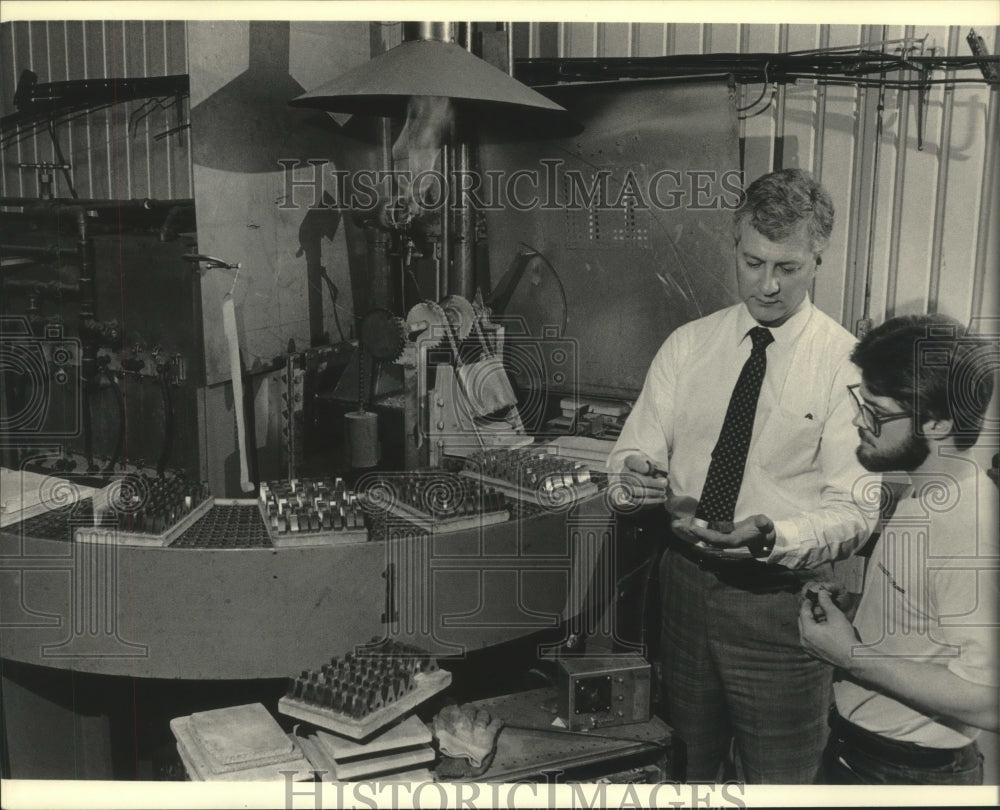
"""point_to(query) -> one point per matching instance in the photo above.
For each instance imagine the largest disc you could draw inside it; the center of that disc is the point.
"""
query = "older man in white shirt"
(748, 409)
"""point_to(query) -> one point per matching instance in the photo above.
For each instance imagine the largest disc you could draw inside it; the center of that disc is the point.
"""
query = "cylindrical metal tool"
(361, 431)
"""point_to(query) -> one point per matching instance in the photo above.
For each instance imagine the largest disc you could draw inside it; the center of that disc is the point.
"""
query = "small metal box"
(595, 692)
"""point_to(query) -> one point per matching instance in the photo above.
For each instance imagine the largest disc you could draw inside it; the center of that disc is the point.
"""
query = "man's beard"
(907, 457)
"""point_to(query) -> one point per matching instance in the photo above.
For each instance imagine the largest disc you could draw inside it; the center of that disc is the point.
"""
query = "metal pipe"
(39, 251)
(873, 210)
(461, 279)
(379, 291)
(166, 229)
(88, 303)
(461, 275)
(444, 270)
(509, 30)
(54, 288)
(62, 203)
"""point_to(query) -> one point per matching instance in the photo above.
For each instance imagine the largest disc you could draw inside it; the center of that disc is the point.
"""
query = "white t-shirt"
(931, 594)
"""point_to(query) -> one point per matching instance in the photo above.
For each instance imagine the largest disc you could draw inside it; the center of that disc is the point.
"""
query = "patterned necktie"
(725, 472)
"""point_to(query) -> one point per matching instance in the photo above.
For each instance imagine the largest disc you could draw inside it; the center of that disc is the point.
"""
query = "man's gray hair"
(776, 204)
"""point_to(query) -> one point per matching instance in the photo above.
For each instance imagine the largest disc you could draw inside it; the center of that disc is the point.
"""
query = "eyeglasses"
(874, 421)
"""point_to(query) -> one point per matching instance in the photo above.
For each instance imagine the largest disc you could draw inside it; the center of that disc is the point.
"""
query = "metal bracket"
(43, 171)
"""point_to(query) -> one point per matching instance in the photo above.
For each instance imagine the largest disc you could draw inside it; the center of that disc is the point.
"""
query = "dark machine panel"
(651, 247)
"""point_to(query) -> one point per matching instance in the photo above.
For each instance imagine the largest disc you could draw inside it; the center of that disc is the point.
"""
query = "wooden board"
(377, 766)
(23, 494)
(118, 537)
(428, 684)
(200, 769)
(407, 734)
(327, 770)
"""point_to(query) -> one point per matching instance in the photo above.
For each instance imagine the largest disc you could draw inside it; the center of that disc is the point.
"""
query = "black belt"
(746, 574)
(899, 752)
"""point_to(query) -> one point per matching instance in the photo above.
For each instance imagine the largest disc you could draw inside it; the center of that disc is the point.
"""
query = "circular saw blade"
(382, 334)
(426, 322)
(460, 314)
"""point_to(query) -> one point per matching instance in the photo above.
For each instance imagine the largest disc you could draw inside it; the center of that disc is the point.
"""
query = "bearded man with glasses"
(918, 675)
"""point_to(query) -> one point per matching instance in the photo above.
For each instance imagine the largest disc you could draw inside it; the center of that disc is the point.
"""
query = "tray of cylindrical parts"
(533, 475)
(307, 512)
(433, 501)
(141, 510)
(363, 691)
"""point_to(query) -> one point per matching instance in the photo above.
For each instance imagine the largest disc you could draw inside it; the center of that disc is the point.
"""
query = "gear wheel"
(426, 322)
(382, 334)
(460, 314)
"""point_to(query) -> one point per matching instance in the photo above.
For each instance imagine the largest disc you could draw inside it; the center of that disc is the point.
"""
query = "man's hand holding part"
(641, 483)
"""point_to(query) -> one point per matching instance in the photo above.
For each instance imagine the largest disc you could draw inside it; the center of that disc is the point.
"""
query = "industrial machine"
(434, 477)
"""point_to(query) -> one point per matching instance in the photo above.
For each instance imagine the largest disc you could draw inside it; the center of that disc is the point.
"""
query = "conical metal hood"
(481, 93)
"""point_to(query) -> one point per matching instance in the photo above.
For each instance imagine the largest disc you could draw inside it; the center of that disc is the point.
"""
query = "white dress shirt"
(801, 469)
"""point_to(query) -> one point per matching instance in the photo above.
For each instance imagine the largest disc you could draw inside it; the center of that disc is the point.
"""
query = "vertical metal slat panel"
(648, 39)
(885, 190)
(899, 176)
(119, 148)
(37, 143)
(724, 37)
(87, 141)
(819, 128)
(97, 122)
(799, 105)
(687, 38)
(25, 148)
(937, 245)
(967, 154)
(778, 151)
(632, 44)
(547, 40)
(819, 125)
(613, 39)
(8, 79)
(137, 137)
(758, 151)
(836, 169)
(521, 36)
(58, 69)
(986, 267)
(180, 156)
(158, 163)
(918, 195)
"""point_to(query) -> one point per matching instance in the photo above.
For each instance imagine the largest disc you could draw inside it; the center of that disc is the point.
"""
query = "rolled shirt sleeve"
(848, 506)
(648, 431)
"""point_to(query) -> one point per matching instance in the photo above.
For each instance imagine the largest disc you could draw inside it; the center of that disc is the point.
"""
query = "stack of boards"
(399, 753)
(358, 713)
(237, 744)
